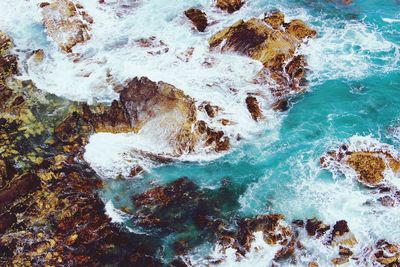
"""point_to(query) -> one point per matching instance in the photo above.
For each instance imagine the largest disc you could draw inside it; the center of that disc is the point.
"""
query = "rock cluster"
(274, 43)
(50, 213)
(66, 23)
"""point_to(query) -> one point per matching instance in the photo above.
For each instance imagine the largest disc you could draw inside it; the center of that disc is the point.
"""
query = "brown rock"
(230, 5)
(281, 105)
(341, 235)
(161, 104)
(271, 44)
(198, 18)
(340, 260)
(253, 107)
(64, 24)
(5, 44)
(19, 187)
(275, 19)
(300, 30)
(315, 227)
(211, 110)
(369, 167)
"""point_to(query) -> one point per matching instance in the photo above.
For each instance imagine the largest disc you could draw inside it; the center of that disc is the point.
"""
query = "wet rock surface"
(230, 6)
(274, 43)
(50, 213)
(66, 23)
(198, 18)
(370, 168)
(369, 165)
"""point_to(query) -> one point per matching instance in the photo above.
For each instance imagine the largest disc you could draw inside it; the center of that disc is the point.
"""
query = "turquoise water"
(278, 172)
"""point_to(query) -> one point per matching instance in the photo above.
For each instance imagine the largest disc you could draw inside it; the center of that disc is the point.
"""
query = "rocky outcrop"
(159, 110)
(369, 165)
(50, 213)
(274, 43)
(66, 23)
(198, 18)
(230, 6)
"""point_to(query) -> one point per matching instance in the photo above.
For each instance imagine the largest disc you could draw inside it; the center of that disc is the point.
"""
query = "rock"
(18, 187)
(341, 235)
(8, 67)
(215, 139)
(313, 264)
(230, 6)
(316, 228)
(281, 105)
(254, 108)
(198, 18)
(161, 106)
(340, 260)
(64, 24)
(275, 19)
(211, 110)
(272, 42)
(369, 165)
(5, 44)
(386, 253)
(155, 207)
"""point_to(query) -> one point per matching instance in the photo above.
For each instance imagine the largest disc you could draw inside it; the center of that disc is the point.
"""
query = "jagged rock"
(230, 5)
(274, 46)
(281, 105)
(198, 18)
(161, 105)
(275, 19)
(274, 231)
(316, 228)
(213, 138)
(254, 107)
(65, 24)
(341, 235)
(369, 165)
(386, 253)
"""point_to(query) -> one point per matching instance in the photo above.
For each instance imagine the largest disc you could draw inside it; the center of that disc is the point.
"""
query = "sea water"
(353, 96)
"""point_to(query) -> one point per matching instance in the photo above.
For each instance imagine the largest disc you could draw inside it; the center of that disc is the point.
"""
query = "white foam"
(117, 216)
(389, 20)
(350, 51)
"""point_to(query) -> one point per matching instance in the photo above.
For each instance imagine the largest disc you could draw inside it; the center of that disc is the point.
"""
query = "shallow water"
(354, 83)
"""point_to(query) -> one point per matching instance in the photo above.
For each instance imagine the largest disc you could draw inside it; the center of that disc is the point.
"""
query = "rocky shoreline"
(51, 213)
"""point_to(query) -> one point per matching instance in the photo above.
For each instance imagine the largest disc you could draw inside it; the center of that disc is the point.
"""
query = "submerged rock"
(272, 42)
(65, 24)
(230, 6)
(198, 18)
